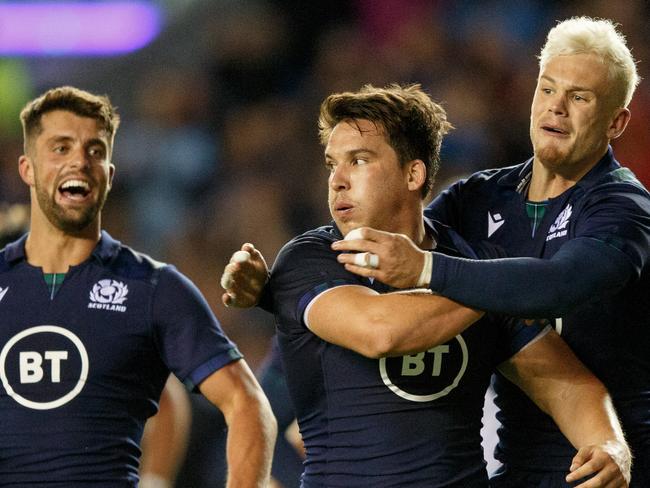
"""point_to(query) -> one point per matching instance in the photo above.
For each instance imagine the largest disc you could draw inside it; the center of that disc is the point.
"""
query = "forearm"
(249, 449)
(586, 416)
(251, 425)
(391, 324)
(416, 322)
(531, 287)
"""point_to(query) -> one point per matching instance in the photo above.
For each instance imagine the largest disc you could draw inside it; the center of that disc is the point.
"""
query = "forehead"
(359, 133)
(63, 123)
(586, 71)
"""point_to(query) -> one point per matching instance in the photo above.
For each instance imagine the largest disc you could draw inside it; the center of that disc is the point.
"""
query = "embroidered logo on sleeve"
(558, 229)
(109, 295)
(494, 222)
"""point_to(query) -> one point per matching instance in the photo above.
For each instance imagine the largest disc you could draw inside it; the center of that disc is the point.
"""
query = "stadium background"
(218, 144)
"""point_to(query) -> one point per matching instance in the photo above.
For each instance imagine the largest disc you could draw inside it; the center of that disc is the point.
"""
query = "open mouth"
(553, 130)
(75, 189)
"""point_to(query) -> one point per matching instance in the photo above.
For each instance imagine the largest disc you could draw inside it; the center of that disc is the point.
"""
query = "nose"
(558, 105)
(80, 158)
(339, 178)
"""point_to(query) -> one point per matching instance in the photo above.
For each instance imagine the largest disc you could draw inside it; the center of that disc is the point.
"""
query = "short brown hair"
(414, 123)
(79, 102)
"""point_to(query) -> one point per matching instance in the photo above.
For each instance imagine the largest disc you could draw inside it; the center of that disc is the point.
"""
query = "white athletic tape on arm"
(154, 481)
(427, 269)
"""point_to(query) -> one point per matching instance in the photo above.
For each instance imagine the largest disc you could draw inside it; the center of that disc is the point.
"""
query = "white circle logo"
(426, 376)
(31, 371)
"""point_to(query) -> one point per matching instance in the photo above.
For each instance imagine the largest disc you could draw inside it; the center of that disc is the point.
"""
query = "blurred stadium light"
(77, 28)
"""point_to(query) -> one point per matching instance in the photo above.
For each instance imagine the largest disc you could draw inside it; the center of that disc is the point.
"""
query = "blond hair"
(585, 35)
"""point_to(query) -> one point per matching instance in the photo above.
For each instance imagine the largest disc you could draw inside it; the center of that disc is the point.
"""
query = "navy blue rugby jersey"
(82, 371)
(609, 332)
(403, 421)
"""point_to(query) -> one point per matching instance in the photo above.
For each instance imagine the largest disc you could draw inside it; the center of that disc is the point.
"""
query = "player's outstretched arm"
(393, 324)
(555, 379)
(519, 287)
(252, 428)
(244, 278)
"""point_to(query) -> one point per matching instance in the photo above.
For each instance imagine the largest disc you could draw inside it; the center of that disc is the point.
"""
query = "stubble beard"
(69, 220)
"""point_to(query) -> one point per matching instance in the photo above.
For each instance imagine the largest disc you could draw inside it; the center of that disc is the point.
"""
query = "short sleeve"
(515, 335)
(189, 336)
(305, 268)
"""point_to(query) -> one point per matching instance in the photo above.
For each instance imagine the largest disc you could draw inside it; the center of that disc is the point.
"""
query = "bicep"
(339, 315)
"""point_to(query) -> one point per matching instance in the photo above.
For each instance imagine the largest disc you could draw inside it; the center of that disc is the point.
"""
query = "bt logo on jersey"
(44, 367)
(428, 375)
(414, 365)
(31, 365)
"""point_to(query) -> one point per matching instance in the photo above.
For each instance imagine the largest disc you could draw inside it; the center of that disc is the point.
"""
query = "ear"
(111, 174)
(619, 123)
(417, 174)
(26, 169)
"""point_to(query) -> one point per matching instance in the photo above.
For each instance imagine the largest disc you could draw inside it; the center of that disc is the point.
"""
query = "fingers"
(244, 277)
(362, 239)
(590, 461)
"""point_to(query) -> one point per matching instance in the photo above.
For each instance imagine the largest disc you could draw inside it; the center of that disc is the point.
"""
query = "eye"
(60, 149)
(97, 152)
(579, 98)
(546, 91)
(330, 166)
(359, 161)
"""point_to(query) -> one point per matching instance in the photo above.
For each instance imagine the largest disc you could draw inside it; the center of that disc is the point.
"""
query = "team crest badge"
(558, 229)
(109, 295)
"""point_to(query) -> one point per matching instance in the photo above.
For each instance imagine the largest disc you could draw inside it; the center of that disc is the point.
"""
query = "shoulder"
(484, 181)
(619, 185)
(311, 243)
(133, 265)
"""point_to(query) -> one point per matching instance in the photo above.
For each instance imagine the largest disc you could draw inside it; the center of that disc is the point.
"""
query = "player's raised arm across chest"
(392, 324)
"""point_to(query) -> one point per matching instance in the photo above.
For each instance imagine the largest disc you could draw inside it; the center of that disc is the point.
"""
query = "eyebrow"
(571, 88)
(353, 152)
(90, 142)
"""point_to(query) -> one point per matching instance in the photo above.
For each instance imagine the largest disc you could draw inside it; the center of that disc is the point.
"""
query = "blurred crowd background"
(218, 144)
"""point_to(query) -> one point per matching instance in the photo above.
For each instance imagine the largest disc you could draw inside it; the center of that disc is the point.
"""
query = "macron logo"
(2, 293)
(494, 222)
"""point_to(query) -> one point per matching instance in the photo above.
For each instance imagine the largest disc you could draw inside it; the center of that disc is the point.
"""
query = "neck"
(414, 228)
(54, 250)
(547, 183)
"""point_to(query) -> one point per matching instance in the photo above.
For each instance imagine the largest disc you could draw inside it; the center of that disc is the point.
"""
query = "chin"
(550, 156)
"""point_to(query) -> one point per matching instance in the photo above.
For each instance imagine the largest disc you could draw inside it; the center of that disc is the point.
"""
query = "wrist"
(427, 269)
(620, 453)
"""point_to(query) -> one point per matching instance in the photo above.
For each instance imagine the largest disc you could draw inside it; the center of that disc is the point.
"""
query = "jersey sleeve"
(189, 336)
(621, 219)
(515, 335)
(613, 231)
(305, 268)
